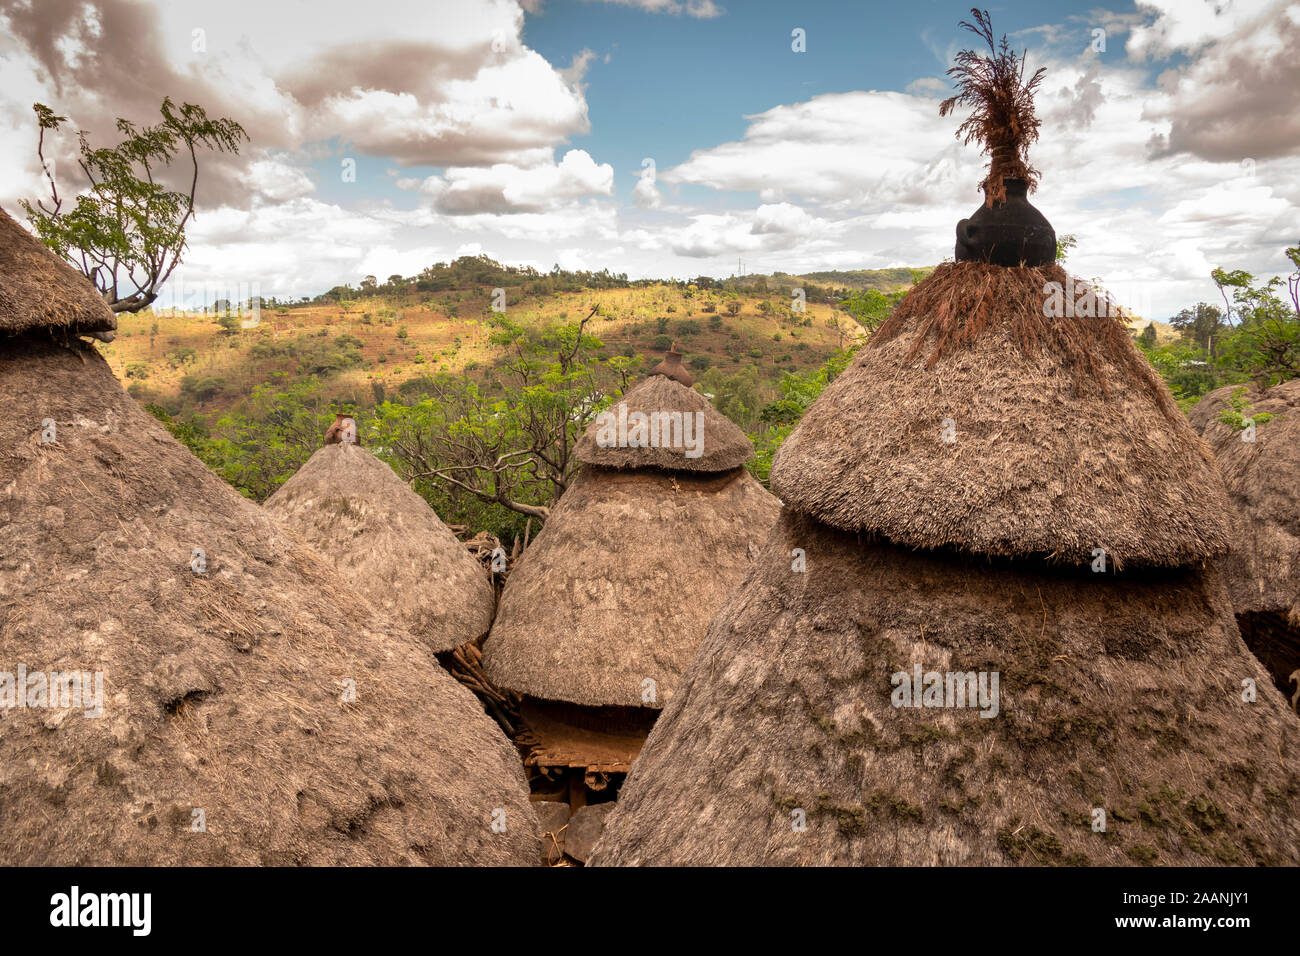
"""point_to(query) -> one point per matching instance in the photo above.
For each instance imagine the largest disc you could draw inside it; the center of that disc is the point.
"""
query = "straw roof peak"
(664, 424)
(352, 509)
(38, 290)
(973, 421)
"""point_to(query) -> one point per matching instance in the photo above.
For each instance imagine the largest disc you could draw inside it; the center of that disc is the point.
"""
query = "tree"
(514, 448)
(1064, 244)
(870, 307)
(1201, 324)
(1147, 338)
(126, 233)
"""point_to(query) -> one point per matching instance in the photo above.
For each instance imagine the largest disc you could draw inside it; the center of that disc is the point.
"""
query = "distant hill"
(848, 280)
(883, 280)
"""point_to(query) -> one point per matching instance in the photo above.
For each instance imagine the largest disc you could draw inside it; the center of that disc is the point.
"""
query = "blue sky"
(673, 83)
(517, 128)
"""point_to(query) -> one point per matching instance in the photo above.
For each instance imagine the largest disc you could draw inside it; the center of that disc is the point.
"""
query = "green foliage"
(870, 307)
(1262, 344)
(502, 452)
(1238, 413)
(258, 449)
(1185, 369)
(798, 390)
(178, 357)
(311, 354)
(1064, 244)
(126, 233)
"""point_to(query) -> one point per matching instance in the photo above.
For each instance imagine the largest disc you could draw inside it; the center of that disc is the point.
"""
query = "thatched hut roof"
(1117, 693)
(39, 290)
(620, 585)
(1263, 479)
(1063, 438)
(715, 444)
(388, 543)
(224, 691)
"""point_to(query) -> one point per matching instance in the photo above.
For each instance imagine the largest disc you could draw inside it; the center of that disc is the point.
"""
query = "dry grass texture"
(622, 581)
(1120, 693)
(1003, 120)
(1064, 440)
(387, 542)
(39, 290)
(222, 690)
(723, 445)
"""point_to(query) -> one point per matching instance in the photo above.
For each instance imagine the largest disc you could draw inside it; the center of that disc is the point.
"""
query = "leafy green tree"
(870, 307)
(1064, 244)
(1201, 324)
(512, 448)
(126, 232)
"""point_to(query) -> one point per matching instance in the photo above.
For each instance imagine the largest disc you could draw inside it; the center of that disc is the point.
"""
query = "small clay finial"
(343, 431)
(673, 368)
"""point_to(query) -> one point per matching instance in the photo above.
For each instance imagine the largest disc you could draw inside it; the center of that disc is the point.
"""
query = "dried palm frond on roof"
(1003, 121)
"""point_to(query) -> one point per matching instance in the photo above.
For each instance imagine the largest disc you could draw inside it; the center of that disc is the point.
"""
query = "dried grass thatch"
(723, 446)
(222, 690)
(1002, 120)
(388, 543)
(1064, 438)
(1122, 693)
(621, 583)
(1263, 479)
(41, 291)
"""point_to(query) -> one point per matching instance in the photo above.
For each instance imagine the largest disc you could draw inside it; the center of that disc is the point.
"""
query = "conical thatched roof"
(714, 442)
(1063, 439)
(1263, 479)
(1117, 693)
(958, 685)
(223, 692)
(38, 290)
(387, 543)
(620, 585)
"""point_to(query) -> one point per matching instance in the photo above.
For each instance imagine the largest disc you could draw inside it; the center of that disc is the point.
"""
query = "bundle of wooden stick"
(465, 663)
